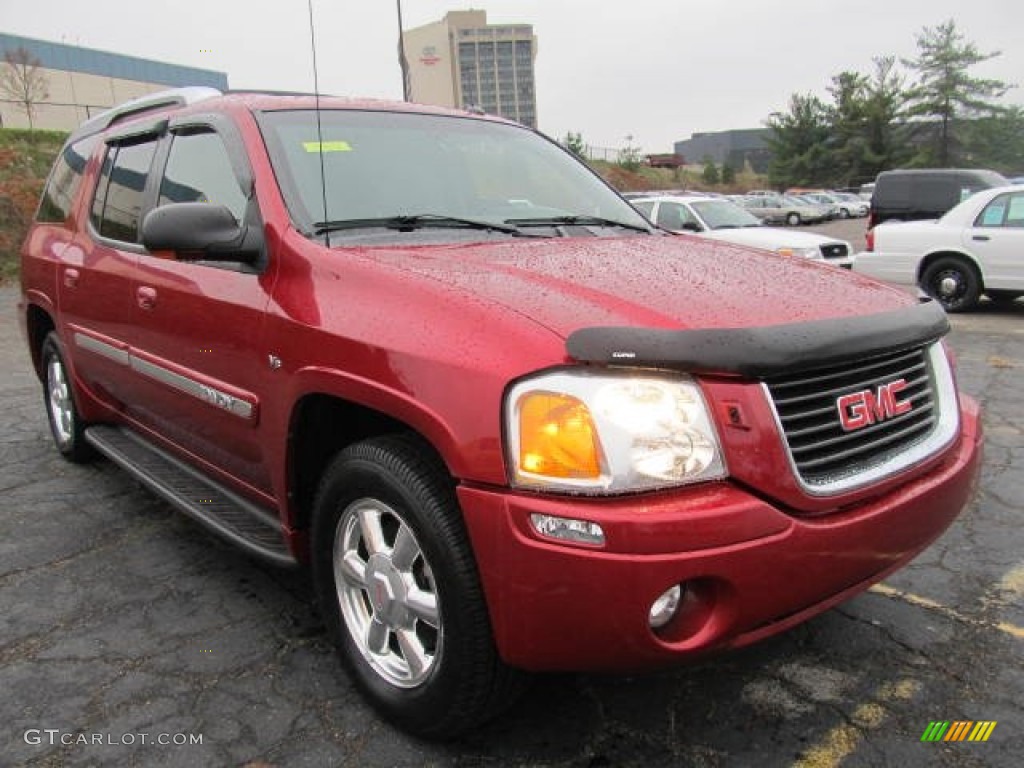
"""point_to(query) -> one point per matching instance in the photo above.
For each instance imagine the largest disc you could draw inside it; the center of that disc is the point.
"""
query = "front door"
(198, 325)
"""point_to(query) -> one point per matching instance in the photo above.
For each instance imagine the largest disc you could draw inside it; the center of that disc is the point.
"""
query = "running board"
(223, 511)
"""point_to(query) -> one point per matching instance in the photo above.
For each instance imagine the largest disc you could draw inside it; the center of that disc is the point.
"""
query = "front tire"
(953, 283)
(398, 589)
(66, 427)
(793, 219)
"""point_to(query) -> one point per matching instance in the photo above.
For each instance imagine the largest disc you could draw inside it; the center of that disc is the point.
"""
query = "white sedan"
(719, 219)
(976, 248)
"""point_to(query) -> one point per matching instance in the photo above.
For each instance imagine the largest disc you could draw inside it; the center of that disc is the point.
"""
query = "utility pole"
(403, 63)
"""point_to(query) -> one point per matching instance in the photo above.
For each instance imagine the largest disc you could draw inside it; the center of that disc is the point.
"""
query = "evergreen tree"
(799, 143)
(997, 142)
(945, 92)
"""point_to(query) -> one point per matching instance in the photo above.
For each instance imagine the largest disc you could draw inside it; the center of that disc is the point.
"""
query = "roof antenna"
(319, 128)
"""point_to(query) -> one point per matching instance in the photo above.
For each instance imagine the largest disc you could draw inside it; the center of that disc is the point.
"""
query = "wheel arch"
(321, 424)
(38, 324)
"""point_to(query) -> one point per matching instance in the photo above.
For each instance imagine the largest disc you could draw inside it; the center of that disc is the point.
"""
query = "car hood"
(768, 237)
(675, 282)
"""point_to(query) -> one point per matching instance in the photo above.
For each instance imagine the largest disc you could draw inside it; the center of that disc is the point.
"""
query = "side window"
(668, 216)
(64, 181)
(646, 207)
(686, 217)
(1004, 211)
(199, 171)
(118, 203)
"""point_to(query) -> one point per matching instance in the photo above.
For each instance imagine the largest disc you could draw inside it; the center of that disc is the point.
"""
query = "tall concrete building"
(80, 82)
(462, 61)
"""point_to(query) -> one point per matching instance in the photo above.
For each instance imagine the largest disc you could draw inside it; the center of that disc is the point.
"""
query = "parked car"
(719, 219)
(782, 209)
(974, 249)
(826, 205)
(927, 193)
(842, 206)
(507, 424)
(852, 204)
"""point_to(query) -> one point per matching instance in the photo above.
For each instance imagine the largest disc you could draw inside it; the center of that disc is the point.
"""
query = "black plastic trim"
(765, 351)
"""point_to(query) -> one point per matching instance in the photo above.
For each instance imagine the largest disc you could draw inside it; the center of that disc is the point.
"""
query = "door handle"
(71, 277)
(146, 297)
(981, 238)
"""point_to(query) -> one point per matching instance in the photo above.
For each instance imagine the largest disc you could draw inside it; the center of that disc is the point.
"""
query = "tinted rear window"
(64, 181)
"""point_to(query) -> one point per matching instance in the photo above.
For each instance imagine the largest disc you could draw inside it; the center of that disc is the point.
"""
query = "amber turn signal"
(557, 437)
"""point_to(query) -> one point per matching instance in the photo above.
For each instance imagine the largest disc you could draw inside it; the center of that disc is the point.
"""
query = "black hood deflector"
(765, 351)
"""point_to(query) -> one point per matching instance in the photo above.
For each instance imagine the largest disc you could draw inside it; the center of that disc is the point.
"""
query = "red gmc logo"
(861, 409)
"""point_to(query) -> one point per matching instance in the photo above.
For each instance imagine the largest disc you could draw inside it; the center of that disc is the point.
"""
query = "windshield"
(383, 165)
(724, 214)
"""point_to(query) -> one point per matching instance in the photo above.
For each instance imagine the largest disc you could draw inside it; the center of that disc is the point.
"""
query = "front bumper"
(751, 569)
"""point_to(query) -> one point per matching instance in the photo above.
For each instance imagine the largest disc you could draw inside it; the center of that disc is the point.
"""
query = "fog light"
(567, 529)
(665, 607)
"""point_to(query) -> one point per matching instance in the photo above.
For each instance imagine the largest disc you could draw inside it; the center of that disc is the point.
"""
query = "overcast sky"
(658, 70)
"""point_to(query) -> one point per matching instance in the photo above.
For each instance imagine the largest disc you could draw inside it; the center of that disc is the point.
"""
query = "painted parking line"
(842, 741)
(952, 613)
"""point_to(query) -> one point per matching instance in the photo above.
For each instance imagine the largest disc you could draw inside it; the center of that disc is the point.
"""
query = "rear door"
(96, 270)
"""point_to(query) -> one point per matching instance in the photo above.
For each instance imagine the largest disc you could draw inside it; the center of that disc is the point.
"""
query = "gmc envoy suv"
(507, 424)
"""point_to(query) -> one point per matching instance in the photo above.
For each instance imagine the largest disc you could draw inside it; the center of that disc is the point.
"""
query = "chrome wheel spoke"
(353, 569)
(405, 550)
(373, 533)
(377, 637)
(413, 652)
(423, 606)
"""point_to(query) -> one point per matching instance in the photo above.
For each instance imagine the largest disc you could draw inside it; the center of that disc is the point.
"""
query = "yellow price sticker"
(326, 146)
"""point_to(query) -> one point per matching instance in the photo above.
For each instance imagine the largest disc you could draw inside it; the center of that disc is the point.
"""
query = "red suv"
(507, 424)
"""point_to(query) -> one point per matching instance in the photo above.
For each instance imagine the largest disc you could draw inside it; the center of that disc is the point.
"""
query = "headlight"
(807, 253)
(610, 433)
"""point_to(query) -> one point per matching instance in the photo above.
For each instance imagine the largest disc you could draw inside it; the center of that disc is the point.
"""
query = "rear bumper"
(751, 570)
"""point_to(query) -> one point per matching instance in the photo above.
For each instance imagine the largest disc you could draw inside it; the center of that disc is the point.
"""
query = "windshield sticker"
(326, 146)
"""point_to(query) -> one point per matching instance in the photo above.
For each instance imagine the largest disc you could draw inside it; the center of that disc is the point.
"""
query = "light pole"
(403, 63)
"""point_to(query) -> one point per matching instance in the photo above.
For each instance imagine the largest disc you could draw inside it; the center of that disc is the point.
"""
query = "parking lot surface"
(125, 630)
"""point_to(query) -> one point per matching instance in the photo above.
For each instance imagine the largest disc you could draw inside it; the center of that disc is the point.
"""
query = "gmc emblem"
(861, 409)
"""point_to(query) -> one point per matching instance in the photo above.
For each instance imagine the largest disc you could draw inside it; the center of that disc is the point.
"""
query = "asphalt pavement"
(129, 636)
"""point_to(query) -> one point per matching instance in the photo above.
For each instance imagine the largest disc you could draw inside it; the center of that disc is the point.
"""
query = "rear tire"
(793, 219)
(952, 282)
(398, 588)
(66, 427)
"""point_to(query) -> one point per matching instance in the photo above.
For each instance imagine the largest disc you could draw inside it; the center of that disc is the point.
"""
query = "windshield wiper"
(409, 223)
(556, 221)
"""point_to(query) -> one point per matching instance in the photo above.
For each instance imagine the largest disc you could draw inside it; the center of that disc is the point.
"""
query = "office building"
(80, 82)
(462, 61)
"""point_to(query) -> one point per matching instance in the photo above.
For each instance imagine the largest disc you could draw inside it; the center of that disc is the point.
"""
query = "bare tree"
(23, 80)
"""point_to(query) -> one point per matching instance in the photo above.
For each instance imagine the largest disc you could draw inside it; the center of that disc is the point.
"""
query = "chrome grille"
(822, 451)
(834, 250)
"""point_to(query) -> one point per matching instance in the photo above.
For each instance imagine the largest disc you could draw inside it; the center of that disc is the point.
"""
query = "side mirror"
(200, 228)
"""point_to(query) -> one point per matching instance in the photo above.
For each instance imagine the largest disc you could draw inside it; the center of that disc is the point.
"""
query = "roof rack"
(179, 97)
